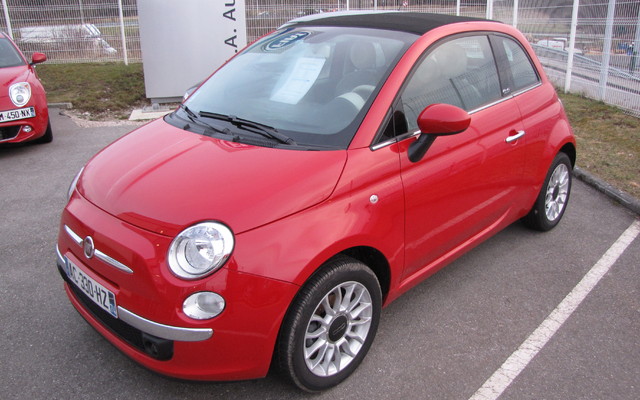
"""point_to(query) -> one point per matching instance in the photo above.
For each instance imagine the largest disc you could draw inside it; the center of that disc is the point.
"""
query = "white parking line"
(518, 361)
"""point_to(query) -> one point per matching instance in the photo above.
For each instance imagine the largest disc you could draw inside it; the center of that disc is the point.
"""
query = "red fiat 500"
(23, 104)
(326, 169)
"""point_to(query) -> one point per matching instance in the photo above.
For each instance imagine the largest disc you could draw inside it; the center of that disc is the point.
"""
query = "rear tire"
(554, 196)
(330, 325)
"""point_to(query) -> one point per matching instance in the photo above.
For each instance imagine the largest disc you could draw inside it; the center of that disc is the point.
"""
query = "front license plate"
(99, 294)
(13, 115)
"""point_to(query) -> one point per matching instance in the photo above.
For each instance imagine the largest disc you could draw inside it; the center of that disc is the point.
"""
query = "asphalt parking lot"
(442, 340)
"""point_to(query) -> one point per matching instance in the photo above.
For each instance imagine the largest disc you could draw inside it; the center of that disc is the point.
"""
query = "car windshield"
(9, 56)
(313, 84)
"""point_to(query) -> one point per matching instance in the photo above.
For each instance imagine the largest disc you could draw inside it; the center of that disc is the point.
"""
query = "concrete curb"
(618, 195)
(64, 106)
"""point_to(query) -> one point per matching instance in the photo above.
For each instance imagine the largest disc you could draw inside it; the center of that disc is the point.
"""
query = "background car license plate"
(13, 115)
(99, 294)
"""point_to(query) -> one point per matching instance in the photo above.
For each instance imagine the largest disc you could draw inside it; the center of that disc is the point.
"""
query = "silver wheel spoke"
(361, 308)
(328, 359)
(346, 348)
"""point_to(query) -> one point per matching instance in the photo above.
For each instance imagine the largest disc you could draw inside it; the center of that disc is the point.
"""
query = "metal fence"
(587, 46)
(75, 31)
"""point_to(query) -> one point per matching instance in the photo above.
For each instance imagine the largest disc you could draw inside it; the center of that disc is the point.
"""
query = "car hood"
(11, 75)
(164, 179)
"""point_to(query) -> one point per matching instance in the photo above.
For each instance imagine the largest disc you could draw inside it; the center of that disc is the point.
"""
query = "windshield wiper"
(256, 127)
(193, 117)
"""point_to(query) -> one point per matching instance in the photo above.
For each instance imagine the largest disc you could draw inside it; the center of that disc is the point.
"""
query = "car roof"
(411, 22)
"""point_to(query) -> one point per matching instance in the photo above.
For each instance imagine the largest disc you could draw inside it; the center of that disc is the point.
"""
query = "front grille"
(158, 348)
(9, 132)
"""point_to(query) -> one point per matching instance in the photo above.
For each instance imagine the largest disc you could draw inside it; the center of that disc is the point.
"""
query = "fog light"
(26, 129)
(203, 305)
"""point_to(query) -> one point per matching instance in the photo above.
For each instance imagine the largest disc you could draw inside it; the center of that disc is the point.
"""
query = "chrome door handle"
(515, 137)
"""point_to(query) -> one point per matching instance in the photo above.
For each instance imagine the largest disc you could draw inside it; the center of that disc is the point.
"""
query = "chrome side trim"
(164, 331)
(114, 263)
(394, 140)
(102, 256)
(383, 144)
(73, 235)
(525, 90)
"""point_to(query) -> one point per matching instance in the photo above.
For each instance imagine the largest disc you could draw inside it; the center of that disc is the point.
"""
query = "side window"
(522, 72)
(461, 72)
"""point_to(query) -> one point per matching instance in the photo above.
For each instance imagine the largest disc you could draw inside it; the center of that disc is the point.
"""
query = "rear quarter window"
(521, 73)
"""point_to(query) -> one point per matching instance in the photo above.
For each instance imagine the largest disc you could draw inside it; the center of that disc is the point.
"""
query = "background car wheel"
(554, 196)
(330, 325)
(48, 135)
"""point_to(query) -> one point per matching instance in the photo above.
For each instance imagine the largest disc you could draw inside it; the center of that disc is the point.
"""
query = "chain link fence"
(588, 47)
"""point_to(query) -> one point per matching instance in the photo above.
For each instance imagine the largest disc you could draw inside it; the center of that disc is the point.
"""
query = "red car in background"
(24, 115)
(319, 174)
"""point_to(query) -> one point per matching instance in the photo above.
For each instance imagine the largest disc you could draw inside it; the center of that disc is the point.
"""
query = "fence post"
(81, 12)
(458, 8)
(122, 34)
(633, 63)
(572, 45)
(515, 13)
(606, 50)
(6, 17)
(489, 14)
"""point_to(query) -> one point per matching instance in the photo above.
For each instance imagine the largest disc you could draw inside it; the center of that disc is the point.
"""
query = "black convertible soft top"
(411, 22)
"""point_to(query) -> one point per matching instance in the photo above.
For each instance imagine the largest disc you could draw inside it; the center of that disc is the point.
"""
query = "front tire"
(330, 325)
(554, 196)
(47, 137)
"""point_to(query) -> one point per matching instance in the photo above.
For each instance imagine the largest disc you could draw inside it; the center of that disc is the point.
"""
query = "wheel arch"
(375, 261)
(570, 150)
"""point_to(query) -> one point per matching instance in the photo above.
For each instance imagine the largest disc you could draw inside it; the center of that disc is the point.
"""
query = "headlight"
(200, 250)
(74, 182)
(20, 93)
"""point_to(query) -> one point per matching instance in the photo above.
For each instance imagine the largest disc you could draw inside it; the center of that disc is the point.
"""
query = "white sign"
(303, 76)
(184, 41)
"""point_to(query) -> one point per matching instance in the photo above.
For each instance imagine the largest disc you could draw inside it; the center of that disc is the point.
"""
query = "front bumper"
(151, 327)
(15, 132)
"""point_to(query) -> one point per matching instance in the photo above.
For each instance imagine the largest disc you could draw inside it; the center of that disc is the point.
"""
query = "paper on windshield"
(303, 76)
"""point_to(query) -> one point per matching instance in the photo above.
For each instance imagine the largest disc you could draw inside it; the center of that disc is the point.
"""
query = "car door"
(467, 183)
(538, 103)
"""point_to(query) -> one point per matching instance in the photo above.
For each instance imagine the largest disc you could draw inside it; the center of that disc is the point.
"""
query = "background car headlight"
(20, 93)
(200, 250)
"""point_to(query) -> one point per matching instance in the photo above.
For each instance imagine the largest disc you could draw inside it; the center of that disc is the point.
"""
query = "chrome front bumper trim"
(154, 328)
(102, 256)
(61, 260)
(164, 331)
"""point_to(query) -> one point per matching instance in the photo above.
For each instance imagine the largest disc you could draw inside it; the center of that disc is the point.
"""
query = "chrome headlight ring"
(20, 93)
(200, 250)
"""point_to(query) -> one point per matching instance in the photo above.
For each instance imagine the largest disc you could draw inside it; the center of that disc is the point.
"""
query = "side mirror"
(38, 58)
(437, 120)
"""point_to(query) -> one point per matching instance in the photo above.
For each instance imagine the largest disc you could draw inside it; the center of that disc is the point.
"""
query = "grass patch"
(108, 90)
(608, 141)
